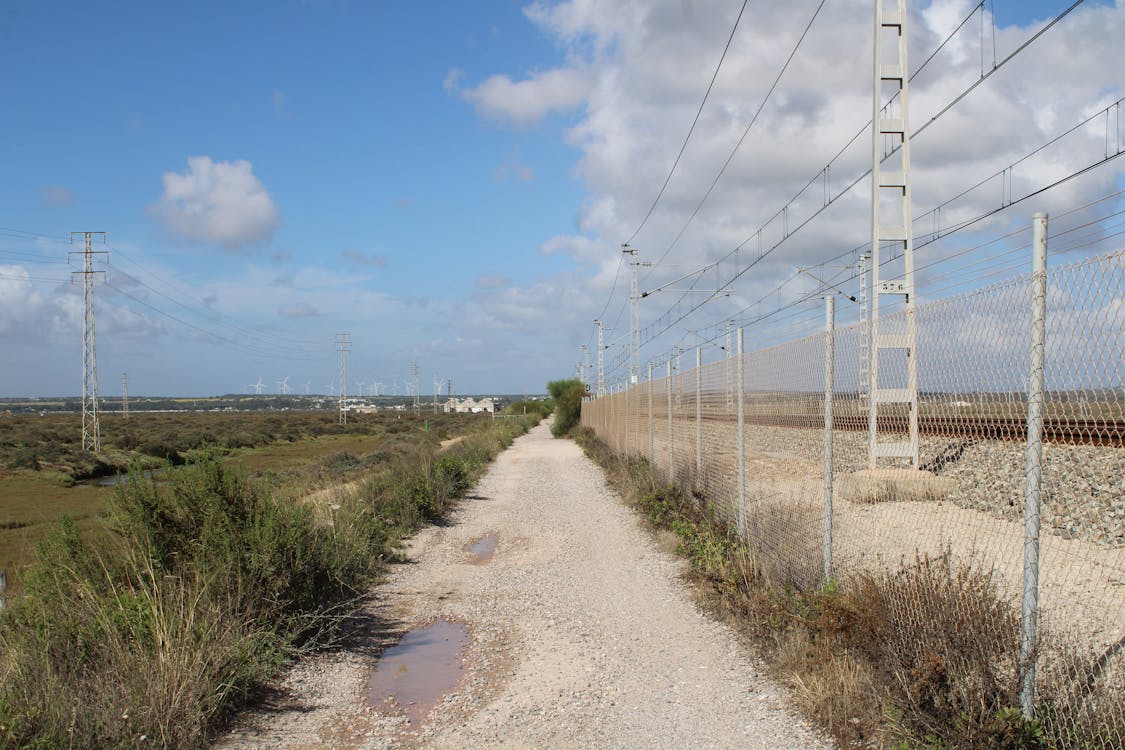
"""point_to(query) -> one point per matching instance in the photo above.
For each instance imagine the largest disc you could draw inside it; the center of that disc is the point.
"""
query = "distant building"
(469, 405)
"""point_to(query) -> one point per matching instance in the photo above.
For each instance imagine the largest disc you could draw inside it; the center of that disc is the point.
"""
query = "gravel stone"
(582, 634)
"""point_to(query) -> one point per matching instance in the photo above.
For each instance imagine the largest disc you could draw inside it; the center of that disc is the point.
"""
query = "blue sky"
(448, 182)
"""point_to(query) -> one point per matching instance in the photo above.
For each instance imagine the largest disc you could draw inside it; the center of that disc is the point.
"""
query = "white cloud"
(57, 195)
(452, 81)
(528, 101)
(298, 310)
(491, 282)
(361, 258)
(513, 169)
(221, 202)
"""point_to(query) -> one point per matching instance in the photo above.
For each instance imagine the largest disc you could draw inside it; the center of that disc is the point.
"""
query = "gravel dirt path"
(581, 634)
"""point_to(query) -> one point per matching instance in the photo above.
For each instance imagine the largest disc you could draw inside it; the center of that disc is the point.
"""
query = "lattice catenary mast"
(601, 358)
(890, 190)
(91, 428)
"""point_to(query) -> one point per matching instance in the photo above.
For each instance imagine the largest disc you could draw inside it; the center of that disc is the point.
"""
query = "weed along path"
(540, 615)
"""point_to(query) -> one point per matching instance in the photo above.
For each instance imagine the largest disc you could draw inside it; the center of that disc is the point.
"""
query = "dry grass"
(920, 657)
(886, 485)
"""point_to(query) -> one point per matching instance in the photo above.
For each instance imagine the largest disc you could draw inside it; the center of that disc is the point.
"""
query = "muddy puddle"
(112, 480)
(481, 550)
(422, 668)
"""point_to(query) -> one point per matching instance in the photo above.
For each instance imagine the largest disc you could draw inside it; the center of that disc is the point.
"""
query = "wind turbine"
(283, 385)
(330, 388)
(360, 391)
(307, 384)
(257, 386)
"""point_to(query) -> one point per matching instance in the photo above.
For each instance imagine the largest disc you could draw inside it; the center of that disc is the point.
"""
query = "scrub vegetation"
(154, 627)
(567, 396)
(921, 658)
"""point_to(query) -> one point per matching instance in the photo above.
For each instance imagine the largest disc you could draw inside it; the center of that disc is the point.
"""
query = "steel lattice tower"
(890, 194)
(601, 359)
(91, 427)
(343, 341)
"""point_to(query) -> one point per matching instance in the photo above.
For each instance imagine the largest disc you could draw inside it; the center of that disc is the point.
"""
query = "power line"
(762, 253)
(824, 173)
(691, 130)
(738, 145)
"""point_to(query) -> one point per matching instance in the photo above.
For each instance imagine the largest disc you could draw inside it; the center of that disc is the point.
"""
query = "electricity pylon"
(343, 342)
(91, 429)
(414, 372)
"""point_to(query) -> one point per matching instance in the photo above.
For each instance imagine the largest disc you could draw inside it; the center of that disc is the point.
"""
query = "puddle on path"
(482, 549)
(413, 675)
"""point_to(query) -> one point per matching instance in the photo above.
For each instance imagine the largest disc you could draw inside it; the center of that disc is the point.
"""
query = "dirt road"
(580, 634)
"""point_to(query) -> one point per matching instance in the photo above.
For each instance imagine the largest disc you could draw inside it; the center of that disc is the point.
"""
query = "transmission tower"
(414, 371)
(343, 342)
(91, 429)
(125, 395)
(890, 194)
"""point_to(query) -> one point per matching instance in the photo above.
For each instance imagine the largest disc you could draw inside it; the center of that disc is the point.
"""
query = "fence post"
(651, 437)
(1030, 621)
(829, 388)
(698, 415)
(3, 590)
(671, 465)
(740, 382)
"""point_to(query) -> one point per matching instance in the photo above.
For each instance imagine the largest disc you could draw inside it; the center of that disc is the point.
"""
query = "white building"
(469, 406)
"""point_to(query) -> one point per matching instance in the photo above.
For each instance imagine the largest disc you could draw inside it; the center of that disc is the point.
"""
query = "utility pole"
(634, 318)
(601, 359)
(125, 395)
(343, 342)
(91, 429)
(585, 367)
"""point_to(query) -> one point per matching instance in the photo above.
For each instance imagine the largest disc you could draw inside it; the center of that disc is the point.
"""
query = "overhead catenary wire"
(741, 140)
(824, 171)
(960, 226)
(691, 130)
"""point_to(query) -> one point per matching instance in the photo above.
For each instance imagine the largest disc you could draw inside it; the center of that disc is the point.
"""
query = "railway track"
(1097, 432)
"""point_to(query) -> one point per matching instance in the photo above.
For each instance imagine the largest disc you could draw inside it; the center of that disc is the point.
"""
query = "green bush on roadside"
(155, 629)
(567, 395)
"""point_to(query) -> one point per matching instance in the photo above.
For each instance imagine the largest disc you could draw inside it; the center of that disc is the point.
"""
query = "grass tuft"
(921, 657)
(156, 627)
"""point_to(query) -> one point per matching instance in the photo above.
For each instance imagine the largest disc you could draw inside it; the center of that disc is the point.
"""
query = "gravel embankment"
(581, 634)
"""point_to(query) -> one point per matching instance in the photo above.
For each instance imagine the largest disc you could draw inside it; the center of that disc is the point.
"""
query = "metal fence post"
(741, 406)
(698, 415)
(1033, 499)
(3, 590)
(651, 436)
(671, 465)
(829, 388)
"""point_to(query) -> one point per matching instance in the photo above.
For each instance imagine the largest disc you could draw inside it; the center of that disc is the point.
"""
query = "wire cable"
(691, 130)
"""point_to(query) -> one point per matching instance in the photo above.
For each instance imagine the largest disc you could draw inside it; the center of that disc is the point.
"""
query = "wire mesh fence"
(950, 539)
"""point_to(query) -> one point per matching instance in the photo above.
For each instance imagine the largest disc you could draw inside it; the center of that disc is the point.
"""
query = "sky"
(451, 183)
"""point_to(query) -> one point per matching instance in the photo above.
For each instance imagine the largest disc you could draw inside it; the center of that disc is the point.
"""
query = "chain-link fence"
(1044, 601)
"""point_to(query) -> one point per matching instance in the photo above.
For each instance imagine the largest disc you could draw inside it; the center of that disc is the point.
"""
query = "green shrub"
(567, 395)
(152, 630)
